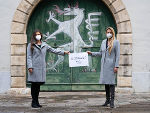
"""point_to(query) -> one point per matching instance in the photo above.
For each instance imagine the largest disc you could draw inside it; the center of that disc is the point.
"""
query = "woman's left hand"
(115, 69)
(67, 52)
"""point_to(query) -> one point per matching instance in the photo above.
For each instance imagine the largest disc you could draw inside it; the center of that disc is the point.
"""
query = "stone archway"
(19, 41)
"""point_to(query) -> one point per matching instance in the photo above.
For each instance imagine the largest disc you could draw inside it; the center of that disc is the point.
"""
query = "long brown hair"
(33, 39)
(112, 39)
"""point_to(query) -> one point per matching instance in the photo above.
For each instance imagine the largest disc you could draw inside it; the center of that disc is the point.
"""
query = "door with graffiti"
(75, 26)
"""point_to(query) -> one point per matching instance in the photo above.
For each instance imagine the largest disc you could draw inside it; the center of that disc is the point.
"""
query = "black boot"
(37, 96)
(112, 103)
(107, 89)
(38, 104)
(34, 95)
(34, 104)
(106, 103)
(112, 91)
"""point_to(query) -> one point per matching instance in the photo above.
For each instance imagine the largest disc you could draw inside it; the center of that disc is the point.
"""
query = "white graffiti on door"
(89, 26)
(71, 28)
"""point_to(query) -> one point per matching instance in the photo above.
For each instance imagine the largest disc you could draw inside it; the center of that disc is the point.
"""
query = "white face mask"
(109, 35)
(38, 37)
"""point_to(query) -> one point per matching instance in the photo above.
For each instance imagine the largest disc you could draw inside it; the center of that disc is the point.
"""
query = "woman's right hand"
(89, 52)
(30, 70)
(67, 52)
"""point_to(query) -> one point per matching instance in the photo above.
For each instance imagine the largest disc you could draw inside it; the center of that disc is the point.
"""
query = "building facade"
(129, 18)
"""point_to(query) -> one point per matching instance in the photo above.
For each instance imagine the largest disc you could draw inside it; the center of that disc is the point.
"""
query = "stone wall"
(125, 37)
(19, 42)
(7, 10)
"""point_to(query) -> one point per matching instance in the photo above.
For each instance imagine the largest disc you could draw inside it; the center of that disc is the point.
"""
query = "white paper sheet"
(78, 59)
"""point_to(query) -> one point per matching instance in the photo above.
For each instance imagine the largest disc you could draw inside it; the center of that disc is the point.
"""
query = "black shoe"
(39, 105)
(34, 105)
(106, 103)
(112, 104)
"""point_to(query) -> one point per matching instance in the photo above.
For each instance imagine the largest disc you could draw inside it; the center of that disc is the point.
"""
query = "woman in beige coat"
(109, 53)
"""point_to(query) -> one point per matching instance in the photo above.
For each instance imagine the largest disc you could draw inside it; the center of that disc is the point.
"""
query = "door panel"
(77, 28)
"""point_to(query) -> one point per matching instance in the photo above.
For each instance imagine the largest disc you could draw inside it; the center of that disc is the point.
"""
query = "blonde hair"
(111, 40)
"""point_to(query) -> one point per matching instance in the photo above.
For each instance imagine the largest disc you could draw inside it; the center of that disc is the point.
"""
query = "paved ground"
(75, 102)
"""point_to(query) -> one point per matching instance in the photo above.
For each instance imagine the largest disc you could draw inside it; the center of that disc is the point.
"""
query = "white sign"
(78, 59)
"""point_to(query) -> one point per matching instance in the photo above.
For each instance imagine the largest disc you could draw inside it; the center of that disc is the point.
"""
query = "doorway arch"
(19, 41)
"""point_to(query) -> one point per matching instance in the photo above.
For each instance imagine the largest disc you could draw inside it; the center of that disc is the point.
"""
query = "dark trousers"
(35, 89)
(110, 92)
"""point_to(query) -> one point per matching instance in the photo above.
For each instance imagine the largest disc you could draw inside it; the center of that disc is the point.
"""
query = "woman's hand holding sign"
(67, 52)
(89, 52)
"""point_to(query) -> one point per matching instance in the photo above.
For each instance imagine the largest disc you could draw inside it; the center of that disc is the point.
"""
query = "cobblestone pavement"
(75, 102)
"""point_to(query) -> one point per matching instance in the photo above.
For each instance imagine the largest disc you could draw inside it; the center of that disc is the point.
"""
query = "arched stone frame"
(19, 41)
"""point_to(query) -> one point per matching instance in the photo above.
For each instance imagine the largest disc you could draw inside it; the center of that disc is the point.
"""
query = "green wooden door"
(76, 26)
